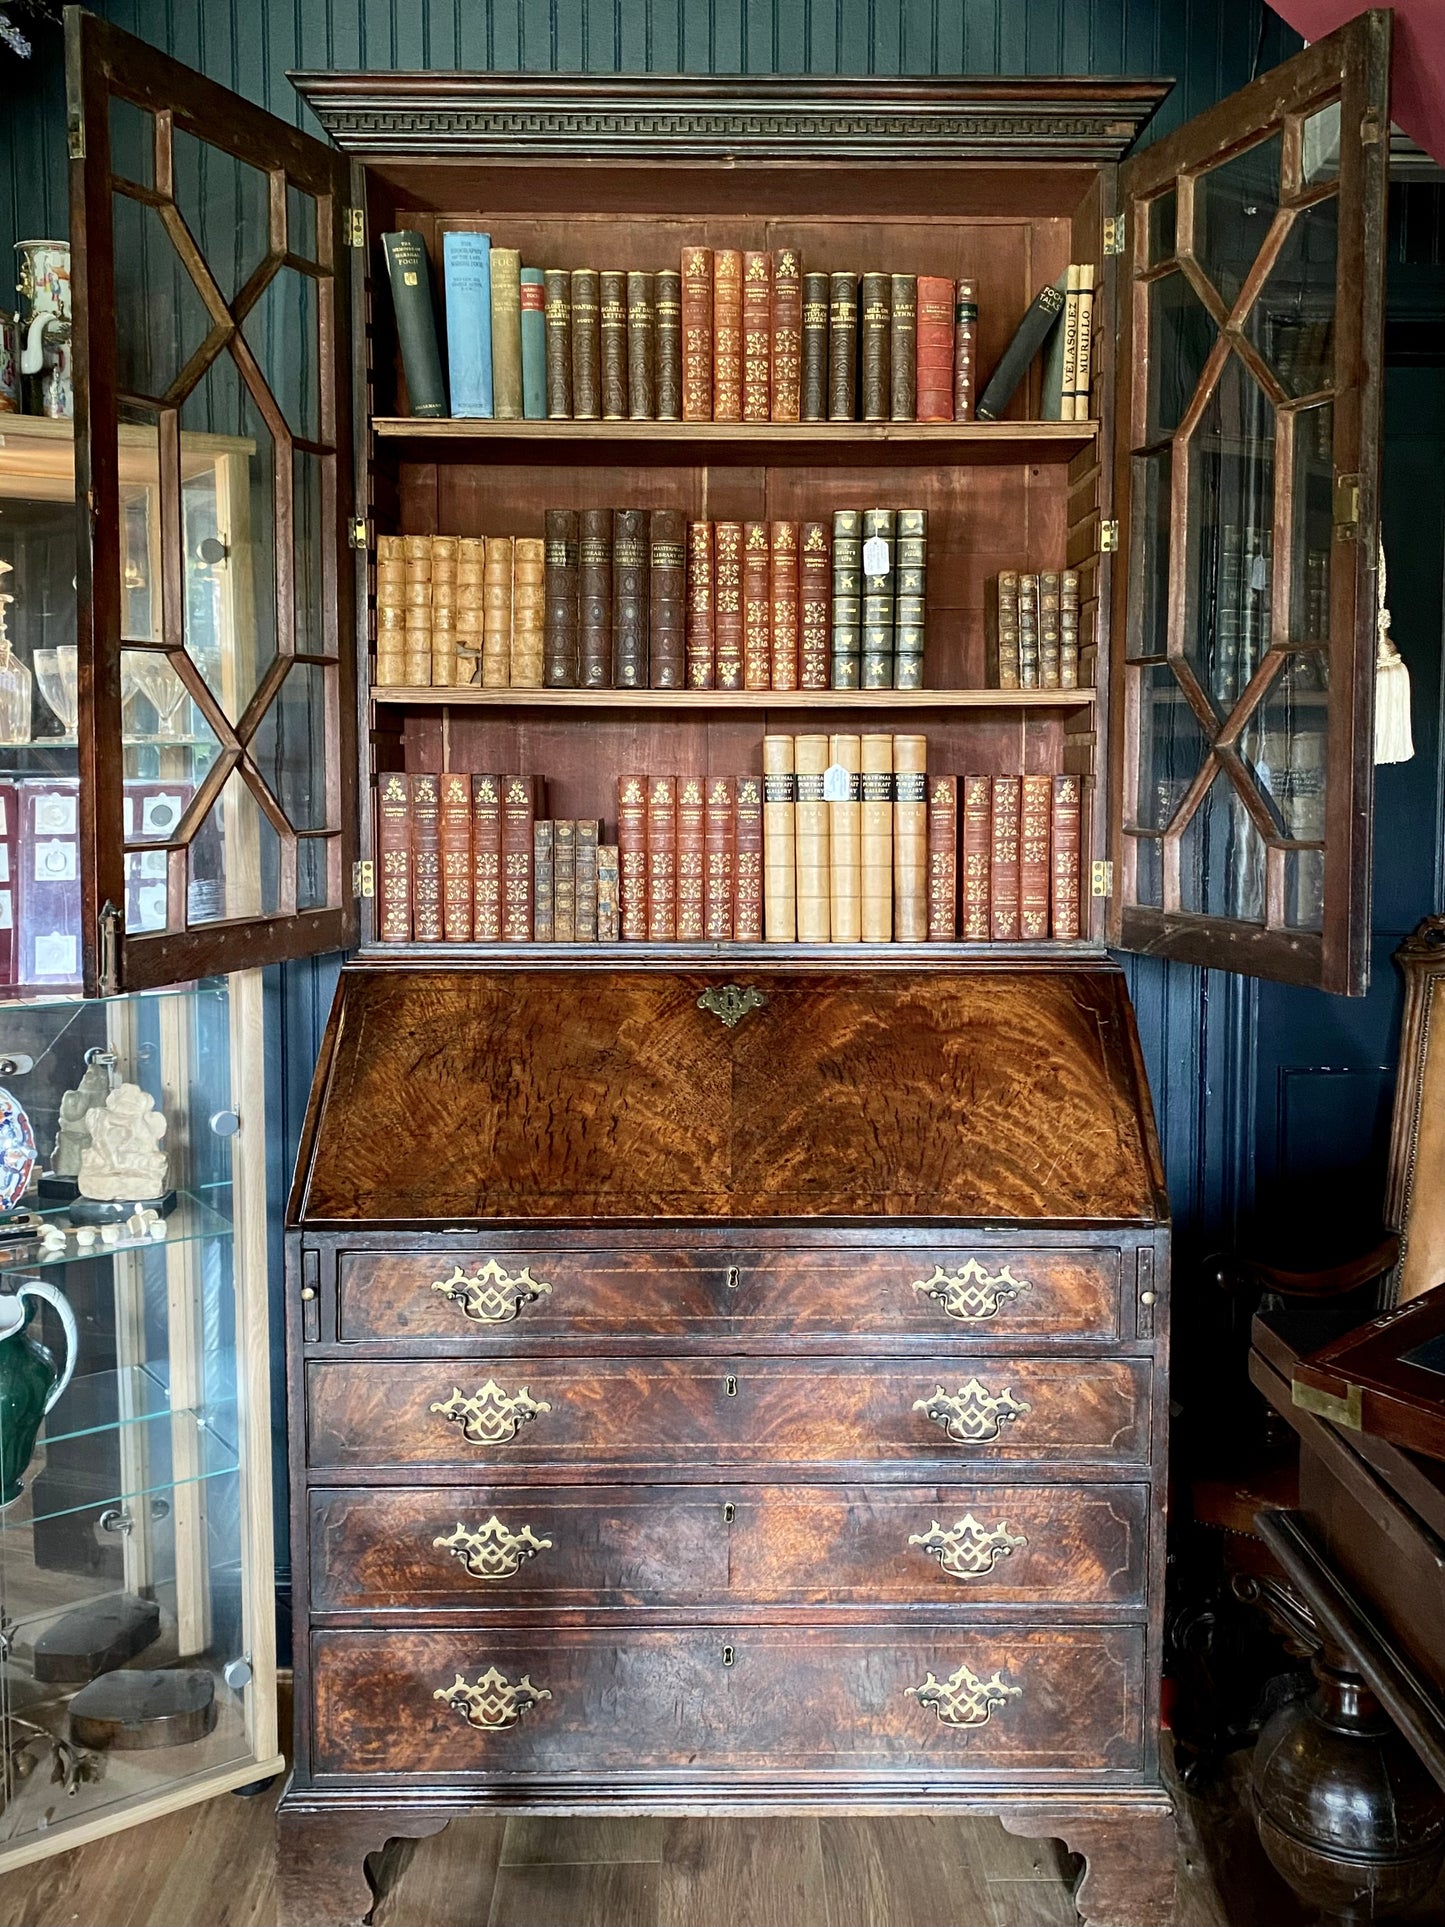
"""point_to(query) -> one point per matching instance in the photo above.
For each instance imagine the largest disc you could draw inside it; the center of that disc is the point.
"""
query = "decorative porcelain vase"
(9, 365)
(44, 286)
(30, 1379)
(17, 1151)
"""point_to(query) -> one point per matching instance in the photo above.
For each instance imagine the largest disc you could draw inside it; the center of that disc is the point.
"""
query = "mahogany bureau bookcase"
(732, 1378)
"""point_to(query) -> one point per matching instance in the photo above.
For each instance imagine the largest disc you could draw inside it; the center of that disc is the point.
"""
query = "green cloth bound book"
(416, 326)
(533, 298)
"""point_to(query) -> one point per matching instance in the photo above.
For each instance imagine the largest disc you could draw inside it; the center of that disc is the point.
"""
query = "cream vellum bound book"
(876, 839)
(842, 788)
(780, 915)
(810, 830)
(910, 839)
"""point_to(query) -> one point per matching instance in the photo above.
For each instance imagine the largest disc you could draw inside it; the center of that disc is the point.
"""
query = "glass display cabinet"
(137, 1618)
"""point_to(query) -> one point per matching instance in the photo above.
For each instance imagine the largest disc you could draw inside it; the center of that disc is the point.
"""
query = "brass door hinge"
(356, 532)
(1347, 507)
(356, 226)
(1114, 234)
(1101, 880)
(75, 137)
(1108, 537)
(363, 878)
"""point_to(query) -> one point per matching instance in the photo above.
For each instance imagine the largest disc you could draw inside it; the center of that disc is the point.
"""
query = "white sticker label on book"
(835, 784)
(876, 558)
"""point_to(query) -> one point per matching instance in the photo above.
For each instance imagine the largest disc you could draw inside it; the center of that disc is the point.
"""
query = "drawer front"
(459, 1549)
(924, 1293)
(669, 1414)
(472, 1705)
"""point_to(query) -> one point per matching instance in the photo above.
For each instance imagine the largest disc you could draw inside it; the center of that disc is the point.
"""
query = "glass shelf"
(193, 1218)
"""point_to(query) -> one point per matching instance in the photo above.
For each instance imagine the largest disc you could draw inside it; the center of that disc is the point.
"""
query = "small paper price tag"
(835, 784)
(876, 558)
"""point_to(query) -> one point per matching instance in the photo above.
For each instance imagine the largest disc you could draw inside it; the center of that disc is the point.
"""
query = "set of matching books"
(691, 854)
(733, 335)
(453, 608)
(1032, 629)
(575, 882)
(1004, 859)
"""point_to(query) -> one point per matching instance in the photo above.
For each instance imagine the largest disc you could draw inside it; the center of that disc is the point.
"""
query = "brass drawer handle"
(491, 1416)
(963, 1699)
(971, 1293)
(492, 1296)
(491, 1701)
(493, 1551)
(968, 1550)
(973, 1414)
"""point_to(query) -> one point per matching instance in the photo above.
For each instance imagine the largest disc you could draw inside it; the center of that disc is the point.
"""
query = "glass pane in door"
(1228, 602)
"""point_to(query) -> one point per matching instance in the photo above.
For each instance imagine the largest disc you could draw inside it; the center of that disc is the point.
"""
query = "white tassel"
(1393, 741)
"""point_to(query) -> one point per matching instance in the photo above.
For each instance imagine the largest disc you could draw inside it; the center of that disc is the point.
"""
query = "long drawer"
(969, 1288)
(468, 1705)
(666, 1415)
(507, 1547)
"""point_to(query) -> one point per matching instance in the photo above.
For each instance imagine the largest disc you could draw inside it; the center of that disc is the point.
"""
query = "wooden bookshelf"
(468, 696)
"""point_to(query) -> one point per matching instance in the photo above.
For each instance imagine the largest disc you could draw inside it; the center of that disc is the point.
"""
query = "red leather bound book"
(935, 348)
(519, 812)
(783, 567)
(393, 849)
(1067, 859)
(942, 858)
(757, 608)
(727, 335)
(721, 835)
(426, 858)
(632, 856)
(1003, 890)
(456, 849)
(697, 334)
(757, 336)
(1035, 813)
(748, 861)
(728, 604)
(787, 334)
(814, 584)
(661, 859)
(699, 642)
(977, 857)
(691, 858)
(486, 859)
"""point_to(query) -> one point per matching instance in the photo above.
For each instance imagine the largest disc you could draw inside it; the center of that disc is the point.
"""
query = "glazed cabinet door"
(216, 723)
(1247, 449)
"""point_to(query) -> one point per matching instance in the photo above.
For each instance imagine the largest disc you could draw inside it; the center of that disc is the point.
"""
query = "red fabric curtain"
(1417, 64)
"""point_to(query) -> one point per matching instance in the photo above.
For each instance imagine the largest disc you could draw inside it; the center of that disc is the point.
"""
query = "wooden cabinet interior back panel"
(832, 1704)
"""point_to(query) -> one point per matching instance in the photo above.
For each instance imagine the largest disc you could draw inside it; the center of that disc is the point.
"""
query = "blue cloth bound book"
(534, 345)
(467, 268)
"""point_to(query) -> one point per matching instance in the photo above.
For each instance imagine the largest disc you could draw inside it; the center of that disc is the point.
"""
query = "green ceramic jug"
(30, 1379)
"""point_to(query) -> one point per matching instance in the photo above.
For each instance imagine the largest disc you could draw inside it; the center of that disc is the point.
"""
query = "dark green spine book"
(532, 300)
(416, 326)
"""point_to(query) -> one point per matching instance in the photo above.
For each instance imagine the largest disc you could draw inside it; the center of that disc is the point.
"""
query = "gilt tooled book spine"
(934, 358)
(1050, 635)
(783, 539)
(879, 539)
(875, 323)
(1001, 632)
(456, 851)
(845, 665)
(757, 607)
(977, 806)
(426, 859)
(586, 345)
(780, 864)
(787, 354)
(942, 858)
(562, 629)
(810, 838)
(814, 581)
(641, 345)
(558, 288)
(613, 330)
(497, 613)
(1068, 629)
(609, 893)
(668, 359)
(529, 609)
(507, 334)
(1035, 816)
(691, 858)
(842, 347)
(910, 576)
(1003, 892)
(727, 335)
(757, 336)
(632, 857)
(910, 839)
(667, 562)
(564, 881)
(814, 381)
(845, 837)
(1028, 631)
(393, 849)
(594, 597)
(1066, 862)
(416, 328)
(748, 861)
(629, 598)
(661, 859)
(699, 605)
(965, 329)
(721, 831)
(728, 604)
(584, 920)
(903, 385)
(697, 334)
(486, 859)
(876, 817)
(519, 814)
(544, 881)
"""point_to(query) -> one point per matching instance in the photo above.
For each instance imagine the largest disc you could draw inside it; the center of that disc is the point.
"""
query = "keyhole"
(730, 1512)
(727, 1655)
(730, 1386)
(734, 1278)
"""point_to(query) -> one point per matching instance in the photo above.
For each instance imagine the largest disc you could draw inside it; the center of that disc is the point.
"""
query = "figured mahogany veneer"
(516, 1547)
